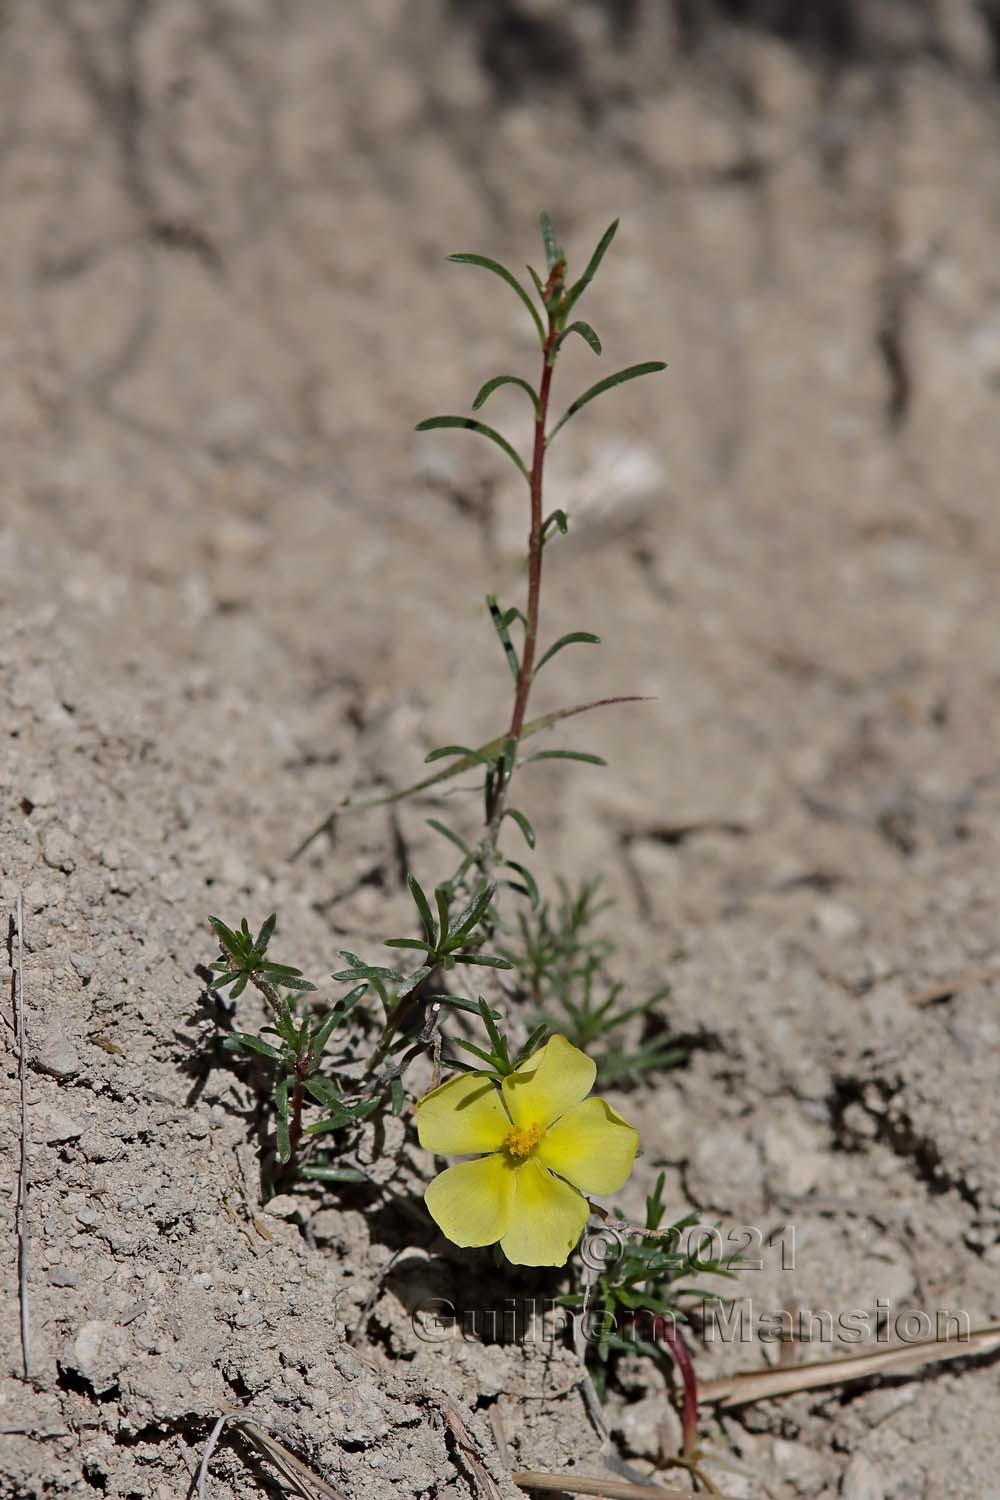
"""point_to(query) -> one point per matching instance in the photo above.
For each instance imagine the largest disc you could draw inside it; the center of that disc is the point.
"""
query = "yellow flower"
(548, 1143)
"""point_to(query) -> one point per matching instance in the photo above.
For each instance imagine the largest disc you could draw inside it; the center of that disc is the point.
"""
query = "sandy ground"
(236, 588)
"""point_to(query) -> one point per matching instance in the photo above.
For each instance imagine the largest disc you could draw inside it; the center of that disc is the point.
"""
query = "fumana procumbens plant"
(521, 1107)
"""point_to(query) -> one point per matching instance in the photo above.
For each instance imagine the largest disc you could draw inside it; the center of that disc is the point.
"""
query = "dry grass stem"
(757, 1385)
(22, 1178)
(613, 1489)
(300, 1479)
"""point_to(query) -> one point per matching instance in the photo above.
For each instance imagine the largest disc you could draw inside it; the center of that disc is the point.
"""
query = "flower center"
(520, 1142)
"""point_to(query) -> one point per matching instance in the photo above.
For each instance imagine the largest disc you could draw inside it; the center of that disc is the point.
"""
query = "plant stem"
(295, 1121)
(535, 548)
(689, 1420)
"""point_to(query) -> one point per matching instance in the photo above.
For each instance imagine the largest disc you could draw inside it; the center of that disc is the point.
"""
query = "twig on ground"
(944, 989)
(22, 1180)
(613, 1489)
(293, 1471)
(500, 1436)
(757, 1385)
(467, 1447)
(210, 1447)
(591, 1400)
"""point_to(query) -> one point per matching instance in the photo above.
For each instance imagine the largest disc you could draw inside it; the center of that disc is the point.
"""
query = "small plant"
(301, 1040)
(562, 966)
(636, 1300)
(517, 1096)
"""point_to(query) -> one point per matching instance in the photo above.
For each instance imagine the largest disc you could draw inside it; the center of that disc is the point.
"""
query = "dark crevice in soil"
(895, 1129)
(73, 1383)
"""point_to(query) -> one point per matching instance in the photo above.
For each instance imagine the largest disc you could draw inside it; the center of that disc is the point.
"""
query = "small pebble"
(59, 1058)
(97, 1354)
(862, 1480)
(836, 921)
(82, 964)
(57, 851)
(282, 1206)
(63, 1276)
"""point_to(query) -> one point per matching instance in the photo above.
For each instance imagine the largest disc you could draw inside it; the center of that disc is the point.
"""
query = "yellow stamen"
(522, 1142)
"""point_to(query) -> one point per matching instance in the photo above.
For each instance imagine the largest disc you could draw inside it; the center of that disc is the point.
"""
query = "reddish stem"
(534, 546)
(535, 539)
(685, 1365)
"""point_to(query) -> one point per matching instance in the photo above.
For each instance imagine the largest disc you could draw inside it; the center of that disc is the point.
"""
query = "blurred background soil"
(237, 587)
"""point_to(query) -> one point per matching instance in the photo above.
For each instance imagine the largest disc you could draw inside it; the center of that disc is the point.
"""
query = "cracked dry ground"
(235, 589)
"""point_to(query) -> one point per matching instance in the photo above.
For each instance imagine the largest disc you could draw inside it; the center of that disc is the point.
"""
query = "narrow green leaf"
(254, 1044)
(239, 987)
(266, 932)
(323, 1091)
(285, 1025)
(483, 960)
(487, 390)
(412, 982)
(549, 240)
(279, 970)
(500, 625)
(379, 987)
(289, 981)
(520, 819)
(557, 519)
(360, 970)
(578, 288)
(451, 1063)
(492, 1030)
(471, 425)
(457, 1002)
(409, 943)
(442, 897)
(473, 913)
(336, 1120)
(511, 280)
(534, 1041)
(650, 367)
(364, 1109)
(448, 833)
(591, 760)
(397, 1097)
(470, 756)
(334, 1174)
(486, 1057)
(281, 1101)
(484, 755)
(337, 1016)
(526, 876)
(537, 283)
(424, 909)
(586, 333)
(227, 936)
(220, 981)
(575, 637)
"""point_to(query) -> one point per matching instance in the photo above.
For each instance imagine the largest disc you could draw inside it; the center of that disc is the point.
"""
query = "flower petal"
(546, 1218)
(549, 1083)
(463, 1117)
(591, 1146)
(471, 1203)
